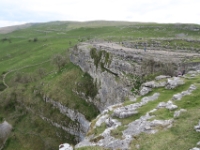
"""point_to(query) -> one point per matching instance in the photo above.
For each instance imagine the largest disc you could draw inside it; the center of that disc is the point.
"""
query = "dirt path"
(4, 76)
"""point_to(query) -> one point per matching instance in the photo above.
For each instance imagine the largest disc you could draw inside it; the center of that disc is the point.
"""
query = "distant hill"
(9, 29)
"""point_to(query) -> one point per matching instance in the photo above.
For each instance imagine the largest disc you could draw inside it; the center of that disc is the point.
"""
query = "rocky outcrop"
(197, 127)
(169, 105)
(80, 129)
(65, 146)
(174, 82)
(5, 130)
(124, 112)
(178, 112)
(109, 69)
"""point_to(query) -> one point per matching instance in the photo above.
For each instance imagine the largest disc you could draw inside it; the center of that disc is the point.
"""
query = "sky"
(13, 12)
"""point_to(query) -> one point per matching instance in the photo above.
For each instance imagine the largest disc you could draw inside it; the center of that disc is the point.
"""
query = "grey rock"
(178, 112)
(73, 115)
(160, 84)
(130, 110)
(162, 105)
(101, 120)
(109, 122)
(149, 98)
(150, 84)
(192, 72)
(184, 93)
(124, 112)
(5, 131)
(198, 144)
(174, 82)
(145, 90)
(197, 127)
(193, 75)
(164, 123)
(162, 77)
(177, 96)
(192, 88)
(65, 146)
(171, 106)
(195, 148)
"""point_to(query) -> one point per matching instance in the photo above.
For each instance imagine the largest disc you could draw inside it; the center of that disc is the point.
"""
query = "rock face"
(80, 129)
(109, 69)
(124, 112)
(111, 65)
(5, 130)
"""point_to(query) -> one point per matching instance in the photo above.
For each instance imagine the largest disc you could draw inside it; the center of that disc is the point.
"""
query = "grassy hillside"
(28, 68)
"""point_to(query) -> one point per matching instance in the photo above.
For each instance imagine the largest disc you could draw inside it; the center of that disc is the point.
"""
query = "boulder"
(109, 122)
(192, 88)
(149, 98)
(160, 77)
(5, 131)
(197, 127)
(178, 112)
(162, 105)
(171, 106)
(124, 112)
(65, 146)
(163, 123)
(192, 72)
(180, 95)
(195, 148)
(101, 120)
(177, 96)
(150, 84)
(145, 90)
(174, 82)
(160, 84)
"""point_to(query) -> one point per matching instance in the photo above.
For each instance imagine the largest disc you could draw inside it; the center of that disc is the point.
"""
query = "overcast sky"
(162, 11)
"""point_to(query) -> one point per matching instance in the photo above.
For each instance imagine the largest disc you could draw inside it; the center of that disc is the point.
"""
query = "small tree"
(41, 72)
(59, 61)
(35, 40)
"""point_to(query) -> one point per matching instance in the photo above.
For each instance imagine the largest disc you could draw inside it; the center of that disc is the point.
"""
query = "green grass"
(165, 95)
(181, 136)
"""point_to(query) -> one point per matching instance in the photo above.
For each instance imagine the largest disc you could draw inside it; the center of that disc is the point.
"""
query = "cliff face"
(79, 125)
(115, 68)
(109, 68)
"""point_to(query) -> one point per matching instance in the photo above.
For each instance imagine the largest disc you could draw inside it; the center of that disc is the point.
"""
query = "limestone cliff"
(114, 68)
(109, 68)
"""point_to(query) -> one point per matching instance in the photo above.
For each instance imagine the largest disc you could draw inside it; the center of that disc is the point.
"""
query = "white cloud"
(167, 11)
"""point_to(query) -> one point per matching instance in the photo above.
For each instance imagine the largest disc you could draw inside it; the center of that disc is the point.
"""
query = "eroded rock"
(101, 120)
(197, 127)
(174, 82)
(160, 77)
(178, 112)
(65, 146)
(145, 90)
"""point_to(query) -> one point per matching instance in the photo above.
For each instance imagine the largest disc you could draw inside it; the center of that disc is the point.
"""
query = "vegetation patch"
(101, 57)
(88, 86)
